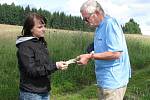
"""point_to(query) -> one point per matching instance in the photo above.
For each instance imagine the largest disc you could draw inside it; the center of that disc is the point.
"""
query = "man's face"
(90, 19)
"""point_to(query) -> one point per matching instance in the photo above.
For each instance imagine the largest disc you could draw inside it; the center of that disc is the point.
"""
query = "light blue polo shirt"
(111, 74)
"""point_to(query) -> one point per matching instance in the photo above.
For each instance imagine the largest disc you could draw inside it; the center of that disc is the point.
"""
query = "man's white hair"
(91, 6)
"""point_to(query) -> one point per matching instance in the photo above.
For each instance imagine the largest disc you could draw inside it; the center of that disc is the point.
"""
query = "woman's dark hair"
(29, 23)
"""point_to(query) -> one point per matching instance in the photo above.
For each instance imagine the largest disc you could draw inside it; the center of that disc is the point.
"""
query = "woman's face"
(38, 29)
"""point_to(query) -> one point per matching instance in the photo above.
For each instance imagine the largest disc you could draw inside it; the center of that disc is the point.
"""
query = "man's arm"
(84, 58)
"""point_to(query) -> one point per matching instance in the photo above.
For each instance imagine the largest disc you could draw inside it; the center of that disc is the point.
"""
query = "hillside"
(76, 83)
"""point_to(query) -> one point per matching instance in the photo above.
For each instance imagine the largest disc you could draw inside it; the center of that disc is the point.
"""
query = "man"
(112, 65)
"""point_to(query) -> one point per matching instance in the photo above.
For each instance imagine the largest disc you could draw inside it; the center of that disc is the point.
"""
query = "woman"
(33, 60)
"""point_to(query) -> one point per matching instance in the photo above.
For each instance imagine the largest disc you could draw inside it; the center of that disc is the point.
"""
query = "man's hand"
(61, 65)
(83, 59)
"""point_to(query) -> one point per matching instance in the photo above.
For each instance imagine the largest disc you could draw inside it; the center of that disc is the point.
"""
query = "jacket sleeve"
(30, 66)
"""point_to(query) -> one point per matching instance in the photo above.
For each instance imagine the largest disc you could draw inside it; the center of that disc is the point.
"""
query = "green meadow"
(77, 82)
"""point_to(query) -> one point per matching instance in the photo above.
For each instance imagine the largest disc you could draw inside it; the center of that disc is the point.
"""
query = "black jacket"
(34, 65)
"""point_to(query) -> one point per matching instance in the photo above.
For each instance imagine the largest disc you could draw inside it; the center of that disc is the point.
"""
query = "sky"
(122, 10)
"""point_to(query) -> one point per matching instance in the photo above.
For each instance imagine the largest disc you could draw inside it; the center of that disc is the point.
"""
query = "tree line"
(15, 15)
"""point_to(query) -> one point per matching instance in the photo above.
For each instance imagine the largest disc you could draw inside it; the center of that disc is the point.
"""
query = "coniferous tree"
(132, 27)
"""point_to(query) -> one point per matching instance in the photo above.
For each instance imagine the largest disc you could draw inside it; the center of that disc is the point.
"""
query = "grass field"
(76, 83)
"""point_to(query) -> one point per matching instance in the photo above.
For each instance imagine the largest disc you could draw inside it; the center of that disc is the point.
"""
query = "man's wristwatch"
(92, 53)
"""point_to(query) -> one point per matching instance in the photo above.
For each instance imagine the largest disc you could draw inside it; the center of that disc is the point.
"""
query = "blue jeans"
(33, 96)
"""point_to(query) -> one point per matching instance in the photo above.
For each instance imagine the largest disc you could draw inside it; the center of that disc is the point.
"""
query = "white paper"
(71, 61)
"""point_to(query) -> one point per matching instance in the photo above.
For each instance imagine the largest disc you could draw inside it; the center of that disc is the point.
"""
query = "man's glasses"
(86, 19)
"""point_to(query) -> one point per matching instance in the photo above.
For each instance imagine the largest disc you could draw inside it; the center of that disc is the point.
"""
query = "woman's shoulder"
(29, 44)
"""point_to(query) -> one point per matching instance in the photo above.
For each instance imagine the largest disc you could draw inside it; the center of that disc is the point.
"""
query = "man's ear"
(97, 12)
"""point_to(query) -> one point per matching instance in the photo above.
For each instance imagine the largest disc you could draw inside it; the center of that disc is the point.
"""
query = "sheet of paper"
(71, 61)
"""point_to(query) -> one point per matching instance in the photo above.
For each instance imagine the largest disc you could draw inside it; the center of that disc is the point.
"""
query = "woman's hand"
(61, 65)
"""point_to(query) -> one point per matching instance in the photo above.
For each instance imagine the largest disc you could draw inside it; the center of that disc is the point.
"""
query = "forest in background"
(15, 15)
